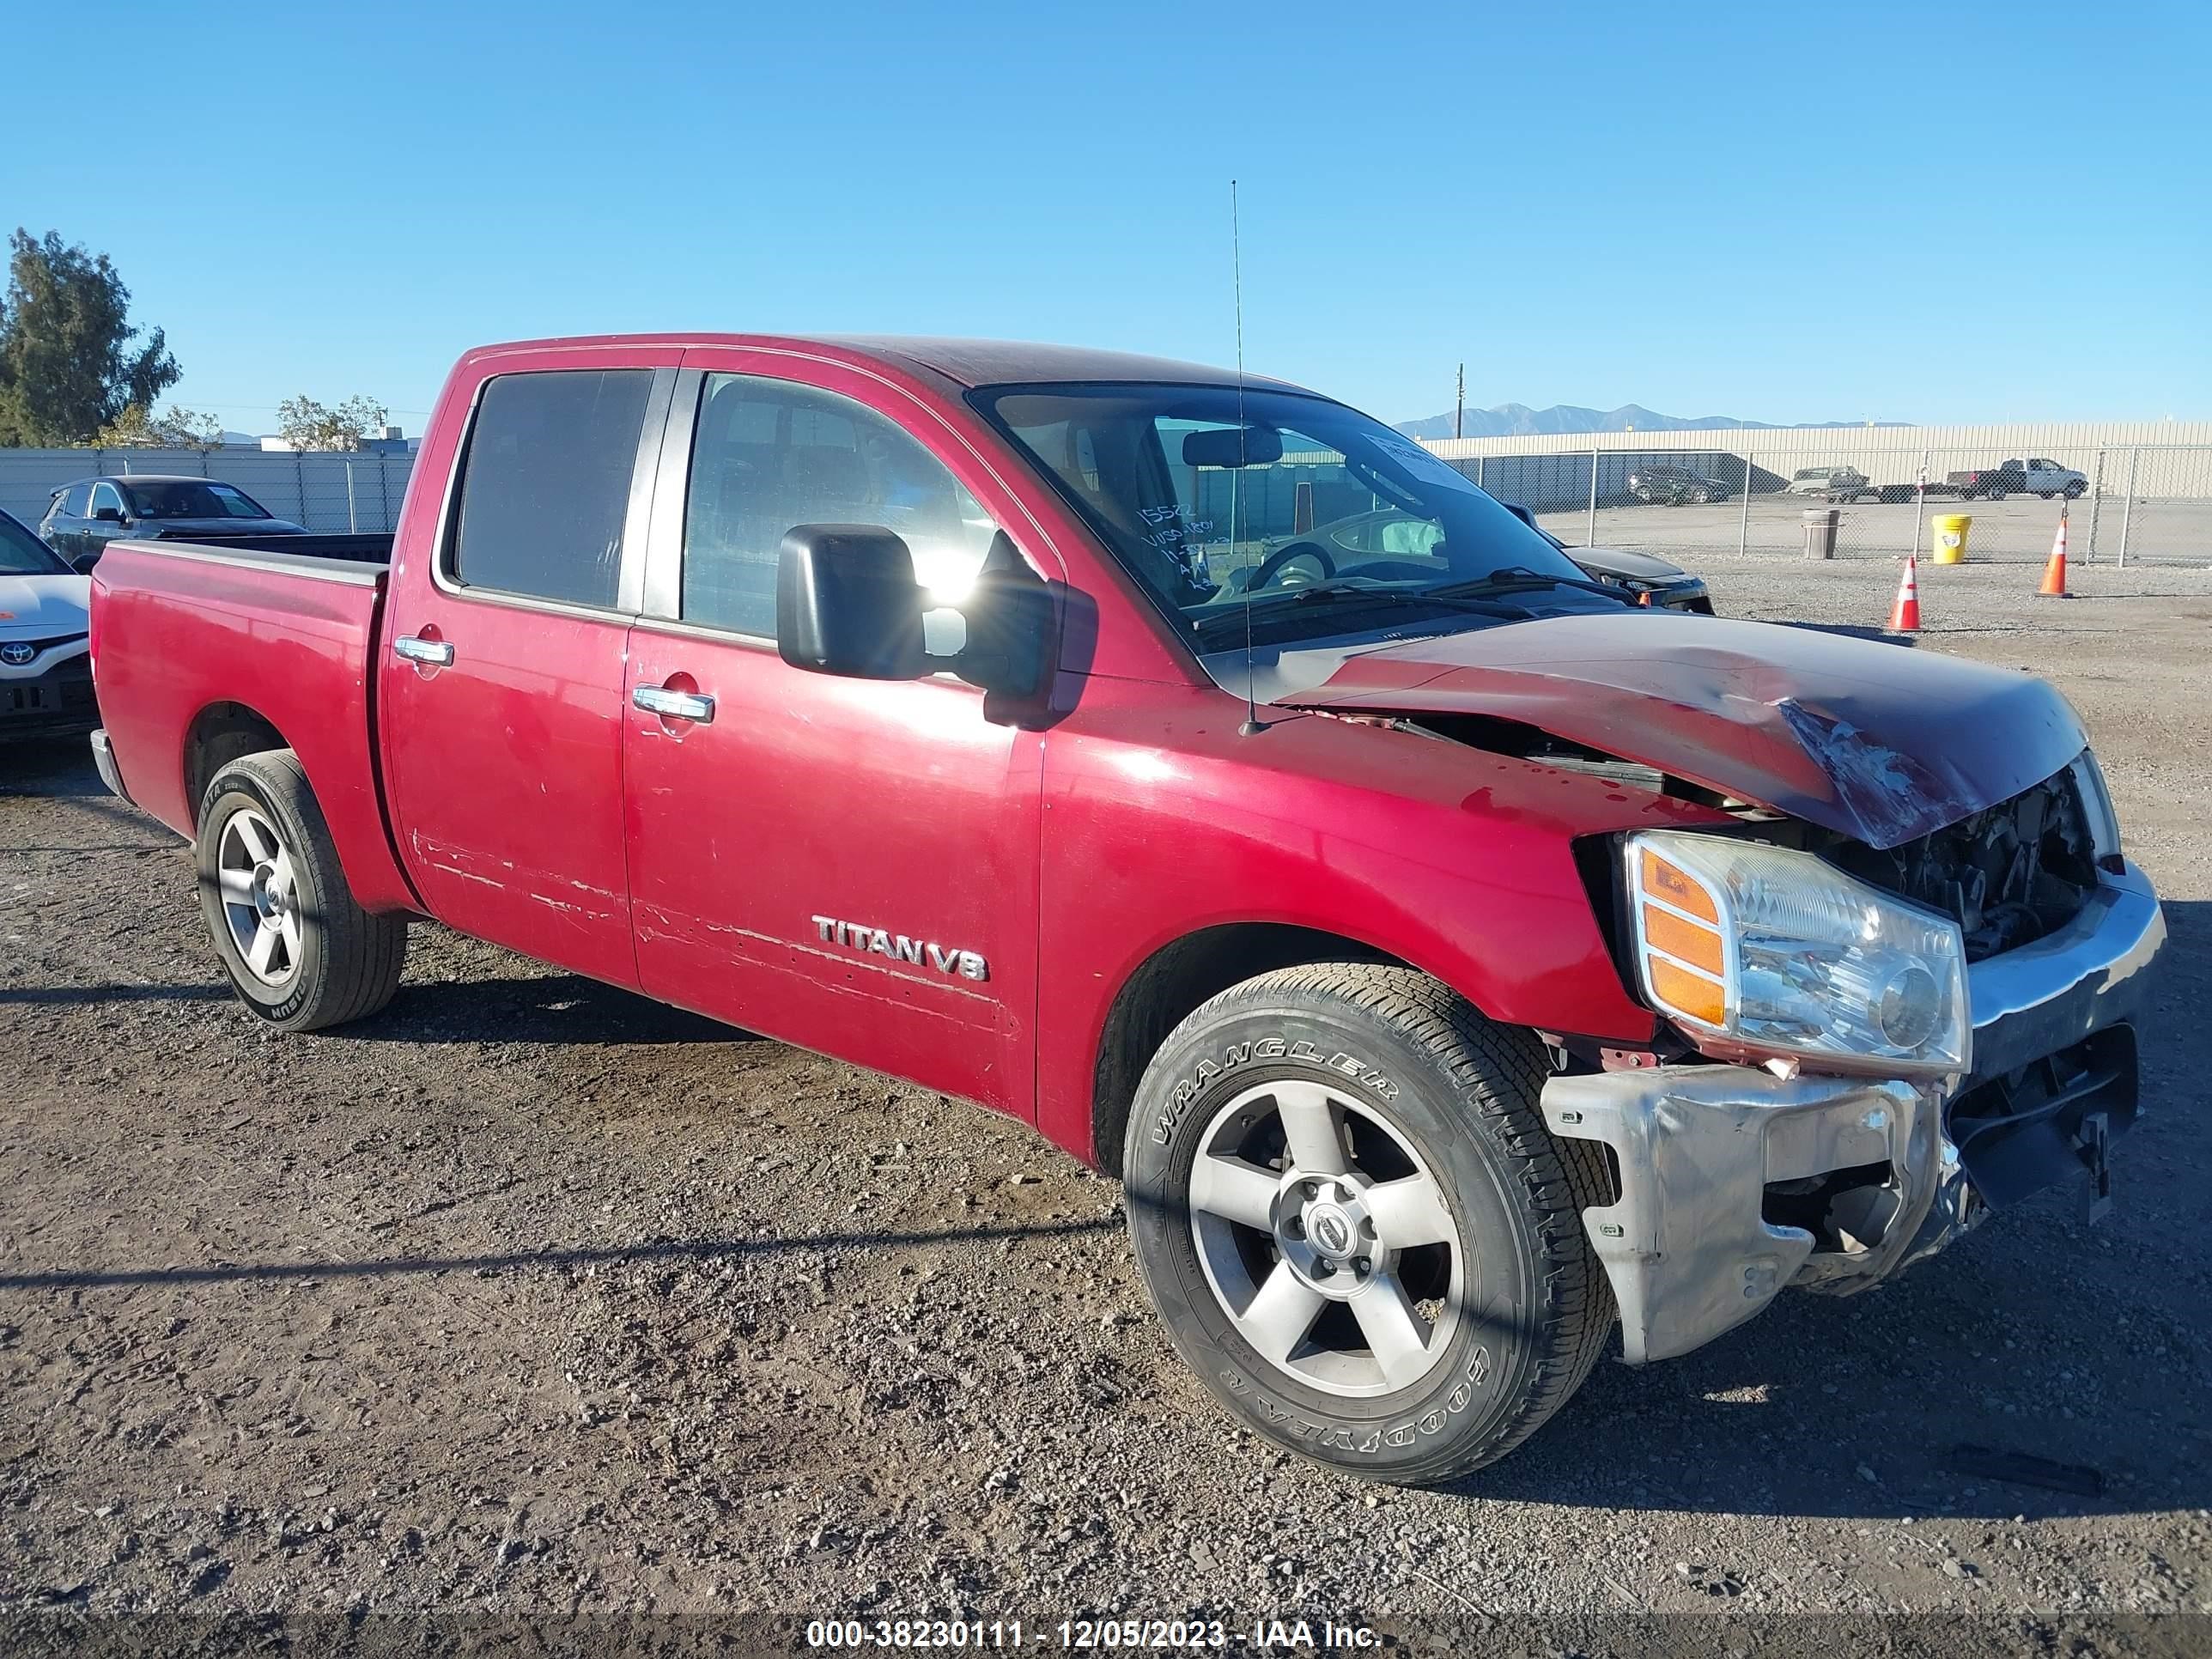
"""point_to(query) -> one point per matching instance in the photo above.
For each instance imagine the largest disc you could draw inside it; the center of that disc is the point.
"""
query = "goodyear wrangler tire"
(1356, 1229)
(300, 952)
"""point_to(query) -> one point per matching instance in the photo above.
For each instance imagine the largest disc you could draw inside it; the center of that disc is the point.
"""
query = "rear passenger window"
(767, 454)
(545, 484)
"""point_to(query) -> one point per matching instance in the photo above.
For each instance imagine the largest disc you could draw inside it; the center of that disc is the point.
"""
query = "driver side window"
(769, 454)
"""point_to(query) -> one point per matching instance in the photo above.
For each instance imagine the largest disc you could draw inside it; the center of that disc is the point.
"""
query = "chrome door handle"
(436, 653)
(674, 705)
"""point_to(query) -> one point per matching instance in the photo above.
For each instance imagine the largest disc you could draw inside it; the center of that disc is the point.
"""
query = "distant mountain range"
(1519, 420)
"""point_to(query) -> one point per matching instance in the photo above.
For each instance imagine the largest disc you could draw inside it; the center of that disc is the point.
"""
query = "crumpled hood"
(1626, 561)
(1859, 737)
(35, 607)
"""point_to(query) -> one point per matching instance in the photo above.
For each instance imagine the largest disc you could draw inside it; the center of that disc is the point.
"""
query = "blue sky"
(1772, 212)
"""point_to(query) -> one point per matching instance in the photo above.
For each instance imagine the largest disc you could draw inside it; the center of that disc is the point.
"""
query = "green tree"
(137, 428)
(306, 425)
(69, 365)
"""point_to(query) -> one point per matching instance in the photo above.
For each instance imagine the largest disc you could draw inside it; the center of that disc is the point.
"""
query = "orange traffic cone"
(1905, 615)
(2054, 573)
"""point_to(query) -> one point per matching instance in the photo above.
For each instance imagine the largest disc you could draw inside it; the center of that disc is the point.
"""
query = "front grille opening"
(2018, 1133)
(2009, 874)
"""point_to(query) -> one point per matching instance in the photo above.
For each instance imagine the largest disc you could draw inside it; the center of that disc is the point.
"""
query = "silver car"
(1831, 483)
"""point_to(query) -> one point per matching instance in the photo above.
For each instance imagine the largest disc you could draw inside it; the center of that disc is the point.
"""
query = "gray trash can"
(1820, 531)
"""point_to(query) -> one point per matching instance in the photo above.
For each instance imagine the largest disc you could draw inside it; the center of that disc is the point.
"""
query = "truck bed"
(195, 642)
(351, 547)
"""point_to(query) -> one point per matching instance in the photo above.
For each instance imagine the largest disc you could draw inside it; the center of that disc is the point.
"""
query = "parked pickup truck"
(2035, 477)
(1452, 958)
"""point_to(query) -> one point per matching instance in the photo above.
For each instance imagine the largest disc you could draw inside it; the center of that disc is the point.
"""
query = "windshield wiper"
(1516, 578)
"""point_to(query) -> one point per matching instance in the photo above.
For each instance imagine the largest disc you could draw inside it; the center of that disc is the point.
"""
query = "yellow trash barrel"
(1947, 539)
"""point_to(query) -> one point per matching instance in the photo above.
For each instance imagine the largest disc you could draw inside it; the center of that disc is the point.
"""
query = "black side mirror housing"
(1012, 648)
(107, 514)
(847, 602)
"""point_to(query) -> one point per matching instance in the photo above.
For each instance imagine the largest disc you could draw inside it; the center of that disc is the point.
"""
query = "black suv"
(85, 516)
(1675, 485)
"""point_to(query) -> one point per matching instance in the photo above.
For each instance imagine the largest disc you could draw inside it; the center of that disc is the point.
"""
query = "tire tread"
(362, 953)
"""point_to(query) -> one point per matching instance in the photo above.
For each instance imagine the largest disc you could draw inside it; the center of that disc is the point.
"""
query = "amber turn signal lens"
(1683, 992)
(1681, 938)
(1663, 881)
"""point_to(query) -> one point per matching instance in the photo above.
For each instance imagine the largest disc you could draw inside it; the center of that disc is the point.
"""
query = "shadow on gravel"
(95, 846)
(698, 1250)
(67, 994)
(556, 1008)
(59, 766)
(1785, 1418)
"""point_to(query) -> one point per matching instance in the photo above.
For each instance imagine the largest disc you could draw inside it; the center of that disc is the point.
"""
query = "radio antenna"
(1251, 727)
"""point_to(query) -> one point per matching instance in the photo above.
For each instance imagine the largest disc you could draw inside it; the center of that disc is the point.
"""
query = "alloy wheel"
(1326, 1239)
(259, 889)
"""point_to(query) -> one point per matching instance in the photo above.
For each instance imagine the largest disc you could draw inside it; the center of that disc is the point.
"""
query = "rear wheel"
(1355, 1226)
(300, 952)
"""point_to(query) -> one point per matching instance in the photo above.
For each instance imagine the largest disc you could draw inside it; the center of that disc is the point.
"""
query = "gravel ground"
(528, 1300)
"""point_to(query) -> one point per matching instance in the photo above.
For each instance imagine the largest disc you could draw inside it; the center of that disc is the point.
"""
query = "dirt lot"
(529, 1298)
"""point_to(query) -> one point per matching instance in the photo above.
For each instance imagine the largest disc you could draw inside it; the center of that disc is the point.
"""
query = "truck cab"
(1455, 959)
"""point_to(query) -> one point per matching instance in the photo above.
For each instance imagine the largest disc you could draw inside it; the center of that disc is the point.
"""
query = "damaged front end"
(1745, 1171)
(1900, 976)
(1734, 1182)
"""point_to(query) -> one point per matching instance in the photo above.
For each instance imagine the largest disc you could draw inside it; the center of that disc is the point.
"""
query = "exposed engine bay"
(2009, 874)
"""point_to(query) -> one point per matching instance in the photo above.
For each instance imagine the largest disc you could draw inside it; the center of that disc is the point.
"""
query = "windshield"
(23, 554)
(188, 498)
(1325, 499)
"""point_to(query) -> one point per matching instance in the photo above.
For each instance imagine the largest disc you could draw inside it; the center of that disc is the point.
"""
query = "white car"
(46, 651)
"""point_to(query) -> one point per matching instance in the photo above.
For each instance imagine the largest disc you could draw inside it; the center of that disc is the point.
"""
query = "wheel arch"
(1161, 990)
(219, 733)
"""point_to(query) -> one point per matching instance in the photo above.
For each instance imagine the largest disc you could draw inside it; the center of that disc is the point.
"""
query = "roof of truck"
(963, 362)
(1003, 362)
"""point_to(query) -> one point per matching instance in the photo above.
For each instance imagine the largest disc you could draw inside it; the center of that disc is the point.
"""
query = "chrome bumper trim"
(2089, 974)
(1686, 1250)
(103, 758)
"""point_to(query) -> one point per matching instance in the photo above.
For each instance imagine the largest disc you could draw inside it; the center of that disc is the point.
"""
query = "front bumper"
(1702, 1150)
(56, 702)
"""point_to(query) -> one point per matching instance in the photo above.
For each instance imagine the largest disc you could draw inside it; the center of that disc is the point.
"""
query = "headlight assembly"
(1761, 951)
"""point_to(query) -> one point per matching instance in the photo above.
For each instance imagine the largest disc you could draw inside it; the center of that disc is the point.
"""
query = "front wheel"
(300, 952)
(1355, 1226)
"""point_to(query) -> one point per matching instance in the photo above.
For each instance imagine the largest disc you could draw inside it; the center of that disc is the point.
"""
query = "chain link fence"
(2123, 503)
(317, 490)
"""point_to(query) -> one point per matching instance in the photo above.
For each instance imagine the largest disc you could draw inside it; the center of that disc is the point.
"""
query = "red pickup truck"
(1452, 958)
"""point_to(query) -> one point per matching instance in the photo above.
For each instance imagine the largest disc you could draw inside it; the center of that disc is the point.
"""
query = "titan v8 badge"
(876, 941)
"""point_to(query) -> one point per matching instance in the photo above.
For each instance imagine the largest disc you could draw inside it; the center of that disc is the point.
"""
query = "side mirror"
(1012, 649)
(847, 602)
(107, 515)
